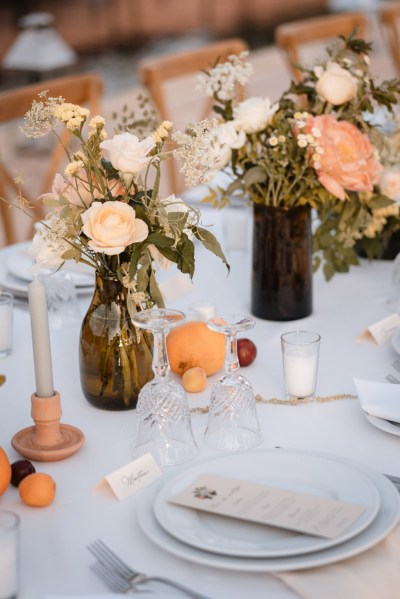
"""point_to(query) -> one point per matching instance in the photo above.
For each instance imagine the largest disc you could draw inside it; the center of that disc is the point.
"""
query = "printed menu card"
(283, 508)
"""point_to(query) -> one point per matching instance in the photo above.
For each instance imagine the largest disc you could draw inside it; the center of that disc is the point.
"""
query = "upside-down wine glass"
(232, 417)
(164, 426)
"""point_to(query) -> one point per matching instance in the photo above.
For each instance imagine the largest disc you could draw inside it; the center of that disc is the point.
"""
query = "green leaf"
(211, 244)
(329, 271)
(186, 256)
(160, 240)
(136, 253)
(155, 291)
(72, 253)
(254, 175)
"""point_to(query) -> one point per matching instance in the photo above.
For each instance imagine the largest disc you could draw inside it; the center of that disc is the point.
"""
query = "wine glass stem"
(160, 356)
(231, 355)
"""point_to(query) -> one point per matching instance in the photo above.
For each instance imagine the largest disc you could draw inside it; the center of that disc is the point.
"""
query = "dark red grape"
(19, 470)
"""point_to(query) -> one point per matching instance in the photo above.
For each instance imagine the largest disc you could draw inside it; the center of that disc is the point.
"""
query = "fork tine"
(110, 559)
(396, 364)
(114, 583)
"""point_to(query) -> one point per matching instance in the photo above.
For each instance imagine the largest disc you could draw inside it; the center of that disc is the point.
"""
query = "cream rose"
(112, 226)
(128, 154)
(254, 114)
(336, 85)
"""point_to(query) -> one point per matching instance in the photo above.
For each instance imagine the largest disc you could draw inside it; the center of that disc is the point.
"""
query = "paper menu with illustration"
(283, 508)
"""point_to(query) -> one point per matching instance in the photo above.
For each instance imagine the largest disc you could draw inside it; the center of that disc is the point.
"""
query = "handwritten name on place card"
(133, 477)
(309, 514)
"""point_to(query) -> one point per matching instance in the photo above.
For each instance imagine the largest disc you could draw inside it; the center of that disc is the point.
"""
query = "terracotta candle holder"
(48, 440)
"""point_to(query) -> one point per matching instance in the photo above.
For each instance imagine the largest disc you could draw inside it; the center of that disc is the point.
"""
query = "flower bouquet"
(316, 148)
(106, 212)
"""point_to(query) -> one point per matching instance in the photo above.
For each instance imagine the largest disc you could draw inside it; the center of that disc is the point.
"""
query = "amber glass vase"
(282, 263)
(115, 358)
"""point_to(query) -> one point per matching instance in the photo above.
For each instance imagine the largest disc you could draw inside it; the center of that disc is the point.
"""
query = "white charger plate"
(386, 519)
(20, 263)
(310, 474)
(18, 286)
(384, 425)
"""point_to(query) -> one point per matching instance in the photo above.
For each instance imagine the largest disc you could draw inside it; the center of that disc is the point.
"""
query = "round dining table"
(54, 559)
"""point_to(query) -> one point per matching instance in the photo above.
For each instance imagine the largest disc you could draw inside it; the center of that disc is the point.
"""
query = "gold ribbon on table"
(295, 401)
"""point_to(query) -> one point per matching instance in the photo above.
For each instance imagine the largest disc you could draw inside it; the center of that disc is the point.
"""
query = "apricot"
(5, 471)
(37, 489)
(194, 380)
(194, 344)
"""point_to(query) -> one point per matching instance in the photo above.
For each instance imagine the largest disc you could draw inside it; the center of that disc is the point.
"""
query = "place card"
(380, 332)
(282, 508)
(132, 477)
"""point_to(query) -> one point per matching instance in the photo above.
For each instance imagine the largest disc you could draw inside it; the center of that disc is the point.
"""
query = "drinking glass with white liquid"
(6, 323)
(300, 351)
(9, 554)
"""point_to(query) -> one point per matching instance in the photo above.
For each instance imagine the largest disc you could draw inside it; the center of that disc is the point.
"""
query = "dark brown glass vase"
(115, 358)
(282, 263)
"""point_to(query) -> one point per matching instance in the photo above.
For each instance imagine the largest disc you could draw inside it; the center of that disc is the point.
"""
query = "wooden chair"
(155, 74)
(390, 18)
(291, 36)
(78, 89)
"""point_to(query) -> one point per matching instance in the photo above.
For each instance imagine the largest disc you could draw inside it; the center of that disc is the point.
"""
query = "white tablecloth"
(54, 558)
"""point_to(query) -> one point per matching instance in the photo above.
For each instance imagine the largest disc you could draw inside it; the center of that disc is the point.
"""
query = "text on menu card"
(308, 514)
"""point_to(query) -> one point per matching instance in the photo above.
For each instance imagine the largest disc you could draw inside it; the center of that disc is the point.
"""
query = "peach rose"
(347, 159)
(112, 226)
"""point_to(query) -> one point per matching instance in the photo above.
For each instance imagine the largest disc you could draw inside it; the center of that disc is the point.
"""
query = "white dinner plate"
(303, 473)
(384, 425)
(386, 519)
(18, 286)
(20, 263)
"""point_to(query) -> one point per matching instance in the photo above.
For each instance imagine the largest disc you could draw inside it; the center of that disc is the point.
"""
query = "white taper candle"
(40, 339)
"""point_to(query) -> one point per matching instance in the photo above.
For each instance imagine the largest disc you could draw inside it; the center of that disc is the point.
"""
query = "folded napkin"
(379, 399)
(371, 575)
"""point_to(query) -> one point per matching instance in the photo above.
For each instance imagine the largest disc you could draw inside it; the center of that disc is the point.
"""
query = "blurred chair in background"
(291, 37)
(390, 18)
(85, 90)
(155, 74)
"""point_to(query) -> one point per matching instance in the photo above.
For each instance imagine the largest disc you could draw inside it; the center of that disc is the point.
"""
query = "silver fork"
(119, 577)
(391, 379)
(396, 365)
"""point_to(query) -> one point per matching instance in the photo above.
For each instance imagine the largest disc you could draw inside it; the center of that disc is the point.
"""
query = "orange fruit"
(194, 380)
(194, 344)
(37, 489)
(5, 471)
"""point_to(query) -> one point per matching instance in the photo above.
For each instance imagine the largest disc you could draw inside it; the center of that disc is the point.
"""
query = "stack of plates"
(380, 404)
(16, 271)
(234, 544)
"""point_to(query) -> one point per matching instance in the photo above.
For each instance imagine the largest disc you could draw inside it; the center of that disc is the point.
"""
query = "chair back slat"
(85, 90)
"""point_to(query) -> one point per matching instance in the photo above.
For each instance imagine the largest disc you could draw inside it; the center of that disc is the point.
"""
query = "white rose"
(254, 114)
(112, 226)
(174, 204)
(229, 135)
(128, 154)
(336, 85)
